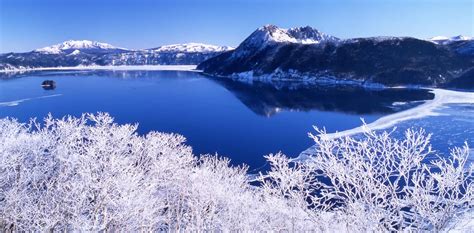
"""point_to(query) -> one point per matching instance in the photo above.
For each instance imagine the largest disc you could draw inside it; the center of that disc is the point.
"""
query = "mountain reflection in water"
(268, 99)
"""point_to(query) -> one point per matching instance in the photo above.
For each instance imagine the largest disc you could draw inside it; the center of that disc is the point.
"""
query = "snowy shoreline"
(132, 67)
(311, 79)
(441, 98)
(463, 223)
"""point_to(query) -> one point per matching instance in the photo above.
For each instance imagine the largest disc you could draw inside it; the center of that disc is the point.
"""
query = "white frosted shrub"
(90, 174)
(382, 183)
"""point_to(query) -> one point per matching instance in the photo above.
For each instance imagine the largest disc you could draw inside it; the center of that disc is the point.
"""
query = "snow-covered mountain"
(191, 48)
(271, 34)
(305, 53)
(447, 40)
(79, 45)
(87, 53)
(461, 44)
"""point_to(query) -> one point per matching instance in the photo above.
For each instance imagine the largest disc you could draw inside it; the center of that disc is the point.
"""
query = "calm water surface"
(452, 127)
(243, 121)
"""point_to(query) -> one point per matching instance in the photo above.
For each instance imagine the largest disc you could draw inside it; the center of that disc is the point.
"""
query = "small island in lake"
(48, 84)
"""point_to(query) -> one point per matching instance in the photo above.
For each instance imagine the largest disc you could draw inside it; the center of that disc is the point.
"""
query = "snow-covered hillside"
(191, 48)
(447, 40)
(461, 44)
(76, 45)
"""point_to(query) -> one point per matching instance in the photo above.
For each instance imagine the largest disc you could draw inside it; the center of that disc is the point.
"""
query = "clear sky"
(29, 24)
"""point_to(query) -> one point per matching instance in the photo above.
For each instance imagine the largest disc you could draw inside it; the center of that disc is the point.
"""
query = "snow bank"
(135, 67)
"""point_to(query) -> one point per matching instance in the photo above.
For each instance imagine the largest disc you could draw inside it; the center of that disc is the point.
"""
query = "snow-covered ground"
(135, 67)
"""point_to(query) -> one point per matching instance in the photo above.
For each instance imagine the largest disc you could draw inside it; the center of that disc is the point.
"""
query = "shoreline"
(191, 68)
(442, 97)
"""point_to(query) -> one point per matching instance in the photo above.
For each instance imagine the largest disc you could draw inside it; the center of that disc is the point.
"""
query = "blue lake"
(452, 127)
(242, 121)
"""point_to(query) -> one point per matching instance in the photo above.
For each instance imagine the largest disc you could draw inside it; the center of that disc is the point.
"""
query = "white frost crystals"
(90, 174)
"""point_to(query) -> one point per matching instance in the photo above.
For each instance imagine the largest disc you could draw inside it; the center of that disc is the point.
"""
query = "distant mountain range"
(89, 53)
(273, 53)
(305, 53)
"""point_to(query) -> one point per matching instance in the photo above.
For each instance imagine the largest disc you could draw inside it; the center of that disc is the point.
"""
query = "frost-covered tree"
(90, 174)
(380, 183)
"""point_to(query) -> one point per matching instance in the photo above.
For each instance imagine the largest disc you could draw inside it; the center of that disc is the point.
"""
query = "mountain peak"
(301, 35)
(269, 27)
(309, 35)
(461, 37)
(75, 45)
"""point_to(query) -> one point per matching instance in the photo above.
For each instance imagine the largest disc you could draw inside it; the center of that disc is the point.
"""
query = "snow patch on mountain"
(75, 44)
(75, 52)
(191, 48)
(438, 38)
(376, 39)
(447, 40)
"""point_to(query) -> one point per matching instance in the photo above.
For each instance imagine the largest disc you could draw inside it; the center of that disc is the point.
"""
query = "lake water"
(451, 127)
(242, 121)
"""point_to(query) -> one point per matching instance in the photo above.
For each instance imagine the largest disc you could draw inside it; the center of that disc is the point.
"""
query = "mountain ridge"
(390, 61)
(75, 44)
(73, 53)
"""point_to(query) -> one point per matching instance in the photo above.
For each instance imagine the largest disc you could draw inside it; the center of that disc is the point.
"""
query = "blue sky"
(29, 24)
